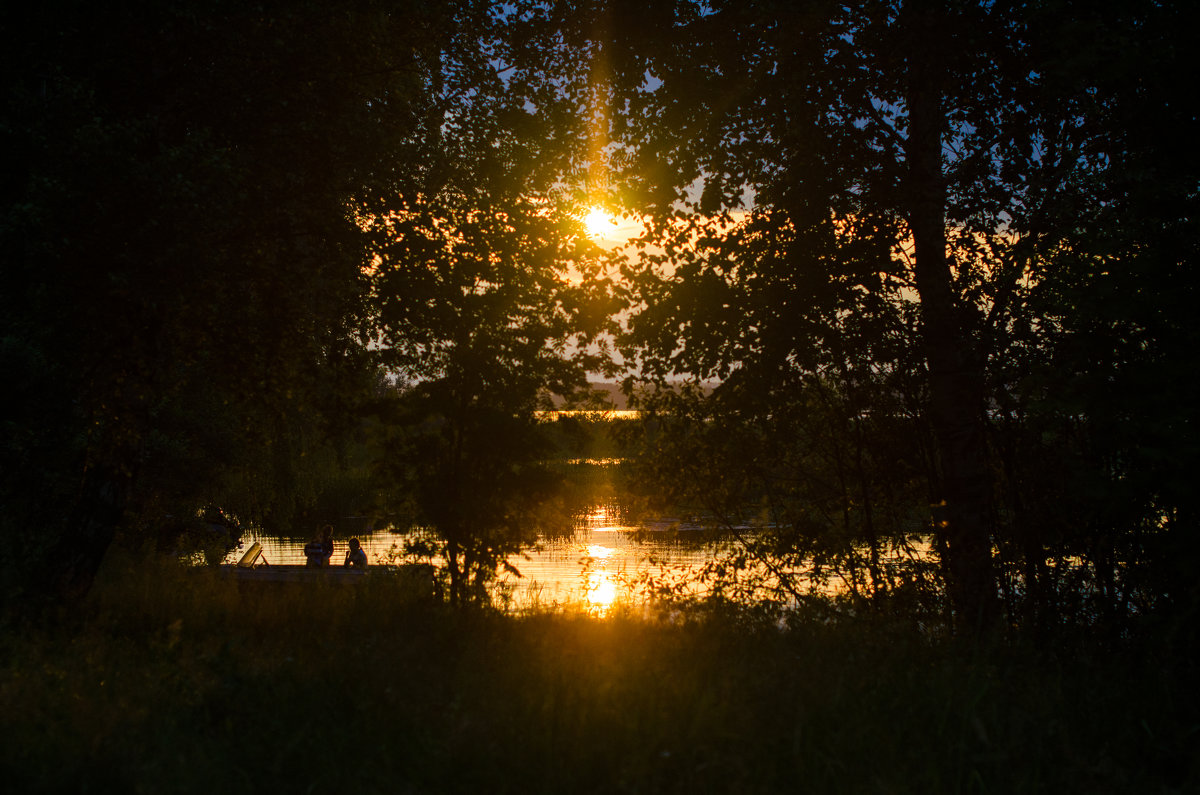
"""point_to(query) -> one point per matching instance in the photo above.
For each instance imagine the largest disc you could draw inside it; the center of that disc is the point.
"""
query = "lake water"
(593, 568)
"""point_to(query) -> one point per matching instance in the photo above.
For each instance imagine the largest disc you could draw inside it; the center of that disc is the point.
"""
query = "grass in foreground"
(174, 681)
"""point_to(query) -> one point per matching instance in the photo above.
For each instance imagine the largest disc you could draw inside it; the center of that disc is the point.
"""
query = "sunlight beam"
(599, 222)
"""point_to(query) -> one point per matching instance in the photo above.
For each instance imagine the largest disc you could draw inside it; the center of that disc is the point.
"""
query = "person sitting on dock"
(327, 543)
(314, 553)
(357, 556)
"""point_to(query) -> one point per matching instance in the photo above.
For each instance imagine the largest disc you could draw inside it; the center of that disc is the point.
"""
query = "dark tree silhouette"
(488, 300)
(185, 303)
(807, 164)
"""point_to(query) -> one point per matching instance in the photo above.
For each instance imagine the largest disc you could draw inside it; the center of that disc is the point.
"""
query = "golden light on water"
(599, 587)
(598, 552)
(600, 591)
(601, 517)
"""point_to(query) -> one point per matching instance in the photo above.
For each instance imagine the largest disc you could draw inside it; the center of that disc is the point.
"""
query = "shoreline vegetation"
(168, 679)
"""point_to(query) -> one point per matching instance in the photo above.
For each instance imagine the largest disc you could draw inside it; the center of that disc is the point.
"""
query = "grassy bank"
(174, 681)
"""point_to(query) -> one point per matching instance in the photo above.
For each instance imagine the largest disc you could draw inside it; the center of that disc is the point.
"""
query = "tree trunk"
(955, 373)
(456, 585)
(71, 563)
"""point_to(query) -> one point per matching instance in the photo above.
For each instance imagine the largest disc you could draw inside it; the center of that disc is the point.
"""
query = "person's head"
(327, 531)
(354, 543)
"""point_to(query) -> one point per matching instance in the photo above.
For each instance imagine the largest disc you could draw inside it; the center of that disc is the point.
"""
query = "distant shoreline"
(607, 413)
(611, 390)
(616, 398)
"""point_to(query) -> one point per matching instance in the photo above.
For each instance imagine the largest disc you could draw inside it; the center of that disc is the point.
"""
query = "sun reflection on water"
(599, 552)
(599, 586)
(600, 592)
(602, 517)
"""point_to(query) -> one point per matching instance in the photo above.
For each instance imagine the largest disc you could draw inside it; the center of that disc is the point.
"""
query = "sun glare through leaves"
(599, 222)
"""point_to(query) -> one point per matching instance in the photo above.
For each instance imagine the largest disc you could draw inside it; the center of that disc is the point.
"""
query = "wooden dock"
(415, 579)
(294, 573)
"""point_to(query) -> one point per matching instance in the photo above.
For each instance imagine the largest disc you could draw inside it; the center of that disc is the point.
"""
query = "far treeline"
(266, 264)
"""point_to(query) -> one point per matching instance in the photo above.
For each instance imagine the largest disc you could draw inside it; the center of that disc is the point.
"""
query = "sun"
(599, 222)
